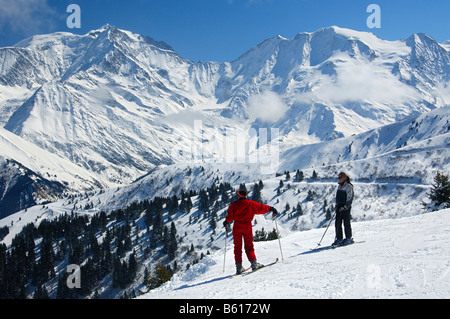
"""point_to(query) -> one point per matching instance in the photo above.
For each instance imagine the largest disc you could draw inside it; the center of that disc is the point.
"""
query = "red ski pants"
(243, 231)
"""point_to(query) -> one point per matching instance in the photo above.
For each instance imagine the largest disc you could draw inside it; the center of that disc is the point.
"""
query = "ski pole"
(326, 229)
(225, 254)
(279, 241)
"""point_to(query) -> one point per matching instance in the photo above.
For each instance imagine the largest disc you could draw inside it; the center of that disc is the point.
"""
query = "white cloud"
(26, 16)
(357, 81)
(267, 107)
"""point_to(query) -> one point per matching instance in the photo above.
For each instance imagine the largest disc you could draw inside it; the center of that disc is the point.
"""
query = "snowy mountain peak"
(130, 101)
(107, 26)
(119, 36)
(349, 33)
(424, 42)
(42, 41)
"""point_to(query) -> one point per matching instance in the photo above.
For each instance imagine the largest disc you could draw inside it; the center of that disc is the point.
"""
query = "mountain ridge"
(119, 104)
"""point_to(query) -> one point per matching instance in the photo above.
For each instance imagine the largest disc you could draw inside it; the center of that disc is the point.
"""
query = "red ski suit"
(242, 212)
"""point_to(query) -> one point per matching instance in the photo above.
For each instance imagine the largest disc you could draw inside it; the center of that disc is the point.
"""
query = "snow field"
(400, 258)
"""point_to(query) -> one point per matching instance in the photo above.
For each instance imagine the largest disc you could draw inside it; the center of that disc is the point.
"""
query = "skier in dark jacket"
(242, 212)
(344, 200)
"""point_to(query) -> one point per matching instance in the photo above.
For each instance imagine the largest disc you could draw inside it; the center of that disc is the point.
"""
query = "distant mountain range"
(118, 155)
(106, 108)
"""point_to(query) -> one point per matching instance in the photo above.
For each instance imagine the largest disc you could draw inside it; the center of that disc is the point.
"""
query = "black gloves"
(274, 211)
(227, 226)
(341, 208)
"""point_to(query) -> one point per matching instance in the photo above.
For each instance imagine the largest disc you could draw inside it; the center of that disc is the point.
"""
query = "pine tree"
(159, 276)
(132, 266)
(299, 209)
(203, 201)
(287, 175)
(257, 193)
(299, 176)
(260, 235)
(273, 235)
(62, 291)
(47, 257)
(440, 192)
(310, 196)
(328, 215)
(189, 204)
(94, 247)
(212, 222)
(287, 207)
(173, 240)
(166, 241)
(158, 227)
(40, 293)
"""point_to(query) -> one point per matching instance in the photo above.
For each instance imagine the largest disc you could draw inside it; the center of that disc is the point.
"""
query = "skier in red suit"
(242, 212)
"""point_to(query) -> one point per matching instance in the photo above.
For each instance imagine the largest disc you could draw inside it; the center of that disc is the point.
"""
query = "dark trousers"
(345, 217)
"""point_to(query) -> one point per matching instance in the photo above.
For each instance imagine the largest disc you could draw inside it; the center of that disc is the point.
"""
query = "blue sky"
(222, 30)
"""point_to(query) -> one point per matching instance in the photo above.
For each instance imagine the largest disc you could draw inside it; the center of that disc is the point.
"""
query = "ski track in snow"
(399, 258)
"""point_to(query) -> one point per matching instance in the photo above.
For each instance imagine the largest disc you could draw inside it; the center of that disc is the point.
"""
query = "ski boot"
(239, 269)
(256, 265)
(337, 242)
(347, 241)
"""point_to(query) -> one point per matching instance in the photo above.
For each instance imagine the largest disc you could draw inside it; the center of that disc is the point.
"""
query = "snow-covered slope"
(30, 175)
(409, 150)
(385, 198)
(401, 258)
(393, 163)
(46, 164)
(387, 215)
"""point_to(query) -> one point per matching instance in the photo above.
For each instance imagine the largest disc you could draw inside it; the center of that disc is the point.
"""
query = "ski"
(264, 266)
(318, 248)
(343, 245)
(235, 275)
(245, 273)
